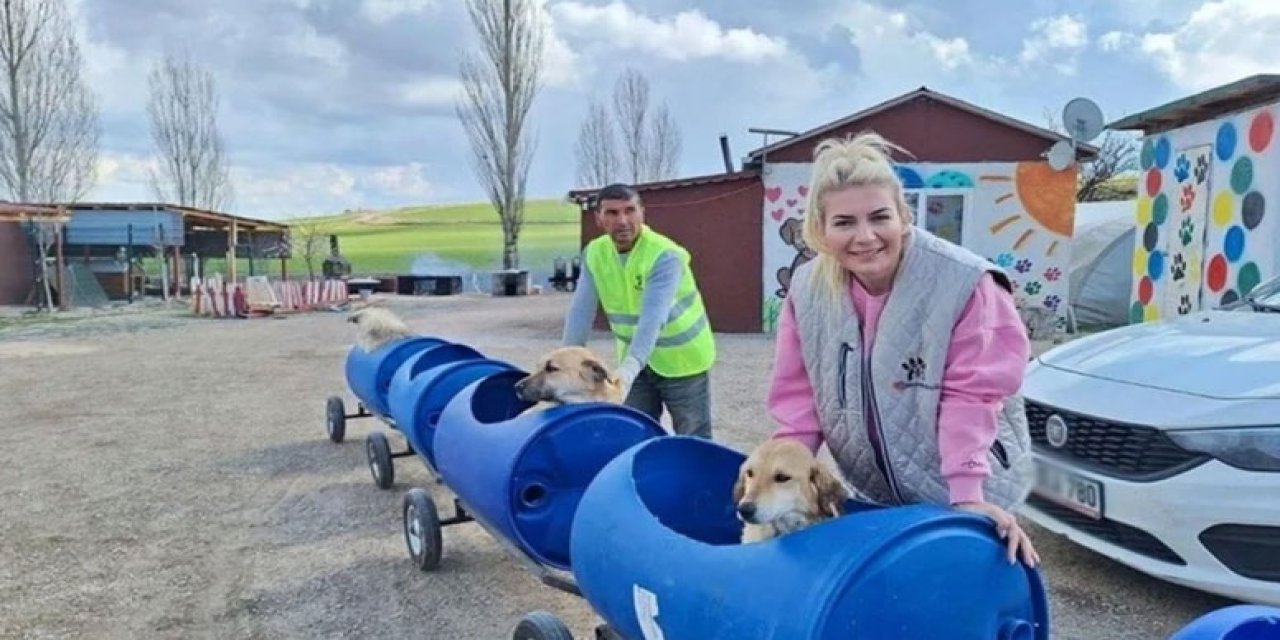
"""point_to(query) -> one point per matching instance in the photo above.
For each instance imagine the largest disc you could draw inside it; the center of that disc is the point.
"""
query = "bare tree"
(49, 126)
(630, 106)
(184, 126)
(596, 152)
(663, 147)
(1117, 155)
(499, 88)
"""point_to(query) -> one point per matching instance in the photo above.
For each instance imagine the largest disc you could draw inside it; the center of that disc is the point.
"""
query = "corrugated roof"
(217, 218)
(14, 212)
(1085, 150)
(1229, 98)
(583, 195)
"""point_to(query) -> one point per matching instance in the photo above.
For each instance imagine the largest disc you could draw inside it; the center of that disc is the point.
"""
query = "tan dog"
(782, 488)
(376, 326)
(570, 375)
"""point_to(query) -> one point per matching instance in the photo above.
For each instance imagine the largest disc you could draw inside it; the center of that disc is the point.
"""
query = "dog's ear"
(831, 492)
(596, 371)
(740, 486)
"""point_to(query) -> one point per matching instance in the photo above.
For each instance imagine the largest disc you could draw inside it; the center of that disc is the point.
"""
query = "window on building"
(941, 211)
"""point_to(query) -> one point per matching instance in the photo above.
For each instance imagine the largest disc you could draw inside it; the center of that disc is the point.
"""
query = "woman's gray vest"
(899, 462)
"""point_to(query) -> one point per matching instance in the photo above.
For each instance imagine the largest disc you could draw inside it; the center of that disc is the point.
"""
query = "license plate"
(1068, 489)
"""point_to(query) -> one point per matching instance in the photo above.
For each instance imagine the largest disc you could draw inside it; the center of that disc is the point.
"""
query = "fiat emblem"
(1055, 430)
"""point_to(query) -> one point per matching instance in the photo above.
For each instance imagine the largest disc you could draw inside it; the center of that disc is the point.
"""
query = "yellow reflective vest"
(685, 344)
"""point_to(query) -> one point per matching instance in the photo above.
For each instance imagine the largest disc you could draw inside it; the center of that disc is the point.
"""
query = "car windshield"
(1264, 297)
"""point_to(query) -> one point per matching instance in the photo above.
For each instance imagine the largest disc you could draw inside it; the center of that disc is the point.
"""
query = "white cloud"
(382, 11)
(283, 191)
(896, 52)
(1222, 41)
(689, 35)
(431, 92)
(1057, 41)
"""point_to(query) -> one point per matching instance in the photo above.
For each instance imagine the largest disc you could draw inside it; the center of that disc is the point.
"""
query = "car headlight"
(1253, 449)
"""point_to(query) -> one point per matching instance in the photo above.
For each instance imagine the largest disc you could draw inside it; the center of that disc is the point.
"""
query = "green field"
(469, 236)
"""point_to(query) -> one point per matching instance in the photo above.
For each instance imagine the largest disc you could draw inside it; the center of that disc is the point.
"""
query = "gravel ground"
(169, 477)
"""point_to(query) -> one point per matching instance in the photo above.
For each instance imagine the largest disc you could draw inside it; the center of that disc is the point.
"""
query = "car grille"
(1125, 451)
(1121, 535)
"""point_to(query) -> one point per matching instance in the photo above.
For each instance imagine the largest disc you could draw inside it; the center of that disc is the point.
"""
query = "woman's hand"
(1008, 528)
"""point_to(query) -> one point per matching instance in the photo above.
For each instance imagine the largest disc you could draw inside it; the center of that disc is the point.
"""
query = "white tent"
(1102, 263)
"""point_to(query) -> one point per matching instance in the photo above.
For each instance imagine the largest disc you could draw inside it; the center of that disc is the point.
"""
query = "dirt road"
(172, 479)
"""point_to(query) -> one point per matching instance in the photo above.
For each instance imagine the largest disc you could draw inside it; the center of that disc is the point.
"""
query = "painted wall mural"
(1203, 237)
(1019, 215)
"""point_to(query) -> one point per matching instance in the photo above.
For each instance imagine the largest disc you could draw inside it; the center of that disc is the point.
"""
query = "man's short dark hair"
(617, 191)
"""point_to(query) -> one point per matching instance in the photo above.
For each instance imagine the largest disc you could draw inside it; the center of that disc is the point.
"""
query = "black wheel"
(421, 529)
(380, 465)
(541, 625)
(335, 419)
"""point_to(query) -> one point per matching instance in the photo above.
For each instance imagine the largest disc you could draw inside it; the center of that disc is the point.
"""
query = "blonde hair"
(838, 164)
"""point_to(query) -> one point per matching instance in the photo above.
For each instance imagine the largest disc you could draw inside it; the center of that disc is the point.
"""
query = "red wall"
(15, 264)
(720, 224)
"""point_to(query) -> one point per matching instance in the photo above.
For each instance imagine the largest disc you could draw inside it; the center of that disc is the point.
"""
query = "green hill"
(390, 241)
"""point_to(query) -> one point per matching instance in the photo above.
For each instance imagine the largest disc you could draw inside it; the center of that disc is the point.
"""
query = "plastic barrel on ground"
(655, 550)
(522, 474)
(426, 384)
(369, 373)
(1236, 622)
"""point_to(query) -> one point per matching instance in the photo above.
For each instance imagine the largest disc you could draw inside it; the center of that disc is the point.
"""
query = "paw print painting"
(1182, 170)
(1188, 197)
(1202, 168)
(1179, 267)
(1051, 302)
(1052, 274)
(1032, 288)
(914, 366)
(1184, 305)
(1023, 266)
(1004, 260)
(1187, 231)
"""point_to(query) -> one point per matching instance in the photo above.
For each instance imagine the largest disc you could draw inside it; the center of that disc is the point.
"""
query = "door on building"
(1184, 231)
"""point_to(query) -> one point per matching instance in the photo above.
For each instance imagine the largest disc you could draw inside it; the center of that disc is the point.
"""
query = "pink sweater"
(985, 363)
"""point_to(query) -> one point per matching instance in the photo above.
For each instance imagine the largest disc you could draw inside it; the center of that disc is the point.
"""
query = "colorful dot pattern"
(1230, 250)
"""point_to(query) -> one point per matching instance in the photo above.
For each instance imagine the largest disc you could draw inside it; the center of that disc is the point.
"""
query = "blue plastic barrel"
(426, 383)
(1236, 622)
(369, 373)
(522, 475)
(656, 551)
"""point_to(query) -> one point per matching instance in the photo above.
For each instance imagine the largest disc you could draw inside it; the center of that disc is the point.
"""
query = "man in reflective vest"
(643, 281)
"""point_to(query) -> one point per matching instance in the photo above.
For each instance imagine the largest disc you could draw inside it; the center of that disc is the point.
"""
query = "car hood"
(1217, 354)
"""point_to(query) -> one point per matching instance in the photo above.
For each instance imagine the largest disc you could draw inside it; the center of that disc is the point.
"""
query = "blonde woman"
(901, 351)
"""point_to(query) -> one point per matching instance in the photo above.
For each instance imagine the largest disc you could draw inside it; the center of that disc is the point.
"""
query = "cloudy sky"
(335, 104)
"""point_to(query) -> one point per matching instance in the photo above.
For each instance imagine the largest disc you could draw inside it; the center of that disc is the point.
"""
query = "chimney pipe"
(724, 151)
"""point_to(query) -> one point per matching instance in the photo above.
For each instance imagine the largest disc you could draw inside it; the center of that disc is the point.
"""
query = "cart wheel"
(379, 454)
(421, 529)
(541, 625)
(335, 419)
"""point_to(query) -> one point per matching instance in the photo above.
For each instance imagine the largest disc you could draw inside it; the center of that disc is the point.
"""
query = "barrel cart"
(598, 501)
(517, 474)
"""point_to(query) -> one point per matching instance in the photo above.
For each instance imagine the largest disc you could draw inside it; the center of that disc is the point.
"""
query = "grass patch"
(458, 237)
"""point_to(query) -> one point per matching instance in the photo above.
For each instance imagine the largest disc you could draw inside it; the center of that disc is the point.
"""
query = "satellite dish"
(1083, 119)
(1061, 155)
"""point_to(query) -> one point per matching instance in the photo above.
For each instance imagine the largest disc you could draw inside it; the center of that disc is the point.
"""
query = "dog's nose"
(747, 510)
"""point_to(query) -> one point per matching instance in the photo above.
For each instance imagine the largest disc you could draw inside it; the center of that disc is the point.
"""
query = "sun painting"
(1041, 196)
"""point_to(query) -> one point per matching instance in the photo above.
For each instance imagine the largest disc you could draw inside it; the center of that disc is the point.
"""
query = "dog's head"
(782, 484)
(570, 375)
(376, 326)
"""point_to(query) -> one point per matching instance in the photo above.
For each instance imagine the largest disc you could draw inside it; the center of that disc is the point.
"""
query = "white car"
(1158, 445)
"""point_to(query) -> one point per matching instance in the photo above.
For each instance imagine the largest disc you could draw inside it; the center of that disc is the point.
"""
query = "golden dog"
(376, 326)
(570, 375)
(782, 488)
